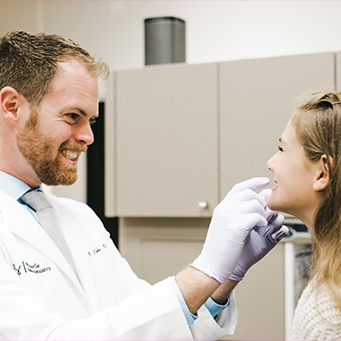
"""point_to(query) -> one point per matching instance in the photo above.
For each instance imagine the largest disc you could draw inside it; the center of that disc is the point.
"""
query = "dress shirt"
(15, 188)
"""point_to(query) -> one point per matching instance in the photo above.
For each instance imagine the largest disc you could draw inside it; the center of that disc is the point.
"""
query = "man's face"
(59, 129)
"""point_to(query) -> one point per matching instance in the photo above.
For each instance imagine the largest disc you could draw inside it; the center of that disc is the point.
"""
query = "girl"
(307, 174)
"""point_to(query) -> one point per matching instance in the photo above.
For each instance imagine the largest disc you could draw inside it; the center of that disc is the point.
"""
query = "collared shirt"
(15, 188)
(12, 186)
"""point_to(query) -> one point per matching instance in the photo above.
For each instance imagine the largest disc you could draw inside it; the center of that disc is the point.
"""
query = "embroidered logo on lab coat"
(35, 268)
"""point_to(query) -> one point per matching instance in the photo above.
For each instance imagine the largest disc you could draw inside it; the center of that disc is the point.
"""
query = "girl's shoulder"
(316, 317)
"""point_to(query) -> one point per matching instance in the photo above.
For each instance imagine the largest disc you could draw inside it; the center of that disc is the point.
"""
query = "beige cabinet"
(167, 146)
(158, 248)
(185, 134)
(260, 300)
(256, 98)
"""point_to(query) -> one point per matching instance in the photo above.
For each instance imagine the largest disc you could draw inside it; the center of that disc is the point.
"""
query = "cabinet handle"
(203, 204)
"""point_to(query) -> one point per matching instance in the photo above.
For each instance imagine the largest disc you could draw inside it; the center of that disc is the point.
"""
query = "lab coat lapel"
(80, 257)
(21, 223)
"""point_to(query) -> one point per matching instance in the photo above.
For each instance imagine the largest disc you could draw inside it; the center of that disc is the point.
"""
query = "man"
(61, 275)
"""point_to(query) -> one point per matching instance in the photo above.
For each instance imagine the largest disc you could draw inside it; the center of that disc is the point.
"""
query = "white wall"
(216, 31)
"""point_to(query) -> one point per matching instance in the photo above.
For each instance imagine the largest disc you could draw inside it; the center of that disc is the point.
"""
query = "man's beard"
(37, 149)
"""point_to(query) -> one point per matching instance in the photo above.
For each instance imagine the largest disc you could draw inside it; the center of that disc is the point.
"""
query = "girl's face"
(294, 176)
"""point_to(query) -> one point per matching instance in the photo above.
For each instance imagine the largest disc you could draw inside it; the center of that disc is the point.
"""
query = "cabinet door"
(157, 248)
(256, 98)
(167, 151)
(260, 300)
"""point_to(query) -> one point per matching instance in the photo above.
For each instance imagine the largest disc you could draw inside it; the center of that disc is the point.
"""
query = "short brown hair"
(28, 62)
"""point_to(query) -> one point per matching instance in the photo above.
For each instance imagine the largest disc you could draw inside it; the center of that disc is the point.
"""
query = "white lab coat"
(42, 298)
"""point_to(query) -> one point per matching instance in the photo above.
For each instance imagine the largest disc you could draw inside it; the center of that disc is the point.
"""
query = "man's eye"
(73, 116)
(92, 120)
(280, 148)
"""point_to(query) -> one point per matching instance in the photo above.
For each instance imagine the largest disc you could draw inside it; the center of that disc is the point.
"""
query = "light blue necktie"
(38, 202)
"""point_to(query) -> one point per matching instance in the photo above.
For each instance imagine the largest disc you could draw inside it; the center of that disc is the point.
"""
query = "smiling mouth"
(276, 184)
(70, 155)
(71, 151)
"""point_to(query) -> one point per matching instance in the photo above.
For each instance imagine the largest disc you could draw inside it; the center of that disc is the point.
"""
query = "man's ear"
(9, 104)
(322, 178)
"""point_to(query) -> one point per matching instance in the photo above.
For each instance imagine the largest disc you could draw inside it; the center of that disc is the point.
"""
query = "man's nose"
(84, 134)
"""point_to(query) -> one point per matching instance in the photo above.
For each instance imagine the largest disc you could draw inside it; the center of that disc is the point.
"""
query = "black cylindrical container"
(165, 40)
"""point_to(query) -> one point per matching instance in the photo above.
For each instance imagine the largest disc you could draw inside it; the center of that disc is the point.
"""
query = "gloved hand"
(260, 241)
(238, 213)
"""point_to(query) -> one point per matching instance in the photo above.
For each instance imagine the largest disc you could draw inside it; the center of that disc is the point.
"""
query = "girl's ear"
(9, 104)
(322, 178)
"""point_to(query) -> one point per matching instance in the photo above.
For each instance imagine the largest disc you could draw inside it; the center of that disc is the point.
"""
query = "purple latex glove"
(260, 243)
(238, 213)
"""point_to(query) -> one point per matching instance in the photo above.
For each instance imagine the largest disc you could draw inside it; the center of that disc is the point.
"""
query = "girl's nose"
(269, 163)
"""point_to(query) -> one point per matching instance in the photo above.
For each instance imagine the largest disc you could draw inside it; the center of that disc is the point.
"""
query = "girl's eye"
(280, 148)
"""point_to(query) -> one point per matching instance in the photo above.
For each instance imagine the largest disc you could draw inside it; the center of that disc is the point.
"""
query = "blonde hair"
(28, 62)
(317, 122)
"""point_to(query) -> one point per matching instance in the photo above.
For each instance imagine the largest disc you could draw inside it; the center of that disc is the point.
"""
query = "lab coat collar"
(21, 223)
